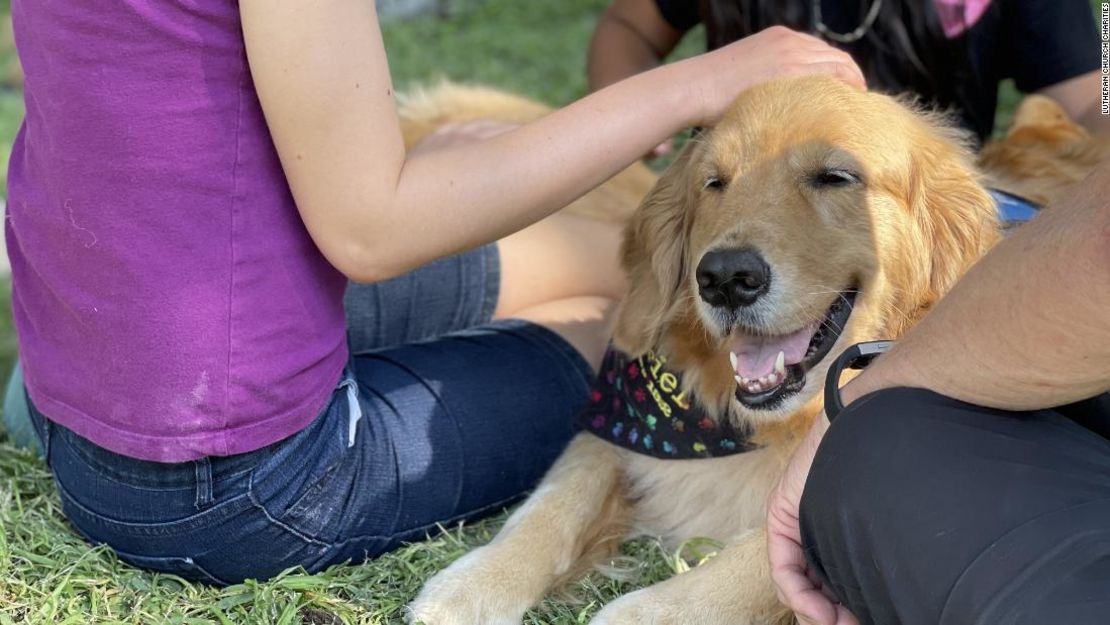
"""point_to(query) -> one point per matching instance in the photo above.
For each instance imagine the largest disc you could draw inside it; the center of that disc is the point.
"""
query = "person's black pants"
(923, 510)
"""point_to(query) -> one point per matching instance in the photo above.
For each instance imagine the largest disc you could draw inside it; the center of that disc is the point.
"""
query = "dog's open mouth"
(770, 369)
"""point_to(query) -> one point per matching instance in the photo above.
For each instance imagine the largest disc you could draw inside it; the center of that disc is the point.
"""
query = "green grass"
(534, 48)
(48, 575)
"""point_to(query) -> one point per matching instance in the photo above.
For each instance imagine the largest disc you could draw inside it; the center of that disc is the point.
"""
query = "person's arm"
(631, 37)
(1028, 327)
(1082, 100)
(322, 78)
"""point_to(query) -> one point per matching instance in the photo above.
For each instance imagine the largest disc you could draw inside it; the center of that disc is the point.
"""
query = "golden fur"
(904, 235)
(1043, 154)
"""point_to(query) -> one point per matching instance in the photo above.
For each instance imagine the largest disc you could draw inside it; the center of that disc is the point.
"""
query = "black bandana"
(640, 405)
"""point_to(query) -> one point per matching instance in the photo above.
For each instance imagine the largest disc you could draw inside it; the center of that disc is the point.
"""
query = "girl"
(193, 188)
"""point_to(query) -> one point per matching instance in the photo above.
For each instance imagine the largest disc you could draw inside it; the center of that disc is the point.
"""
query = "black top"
(1038, 43)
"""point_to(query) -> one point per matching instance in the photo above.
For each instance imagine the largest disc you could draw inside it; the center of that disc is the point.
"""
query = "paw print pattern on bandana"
(640, 405)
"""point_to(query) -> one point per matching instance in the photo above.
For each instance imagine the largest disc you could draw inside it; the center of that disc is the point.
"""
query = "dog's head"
(1043, 154)
(813, 216)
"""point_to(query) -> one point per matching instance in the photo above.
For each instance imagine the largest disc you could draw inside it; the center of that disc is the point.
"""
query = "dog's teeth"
(739, 380)
(732, 359)
(780, 364)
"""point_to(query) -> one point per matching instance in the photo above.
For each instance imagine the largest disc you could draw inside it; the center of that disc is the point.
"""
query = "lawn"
(49, 576)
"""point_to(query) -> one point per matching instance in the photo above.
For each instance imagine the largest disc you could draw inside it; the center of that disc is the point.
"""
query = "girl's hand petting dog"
(776, 52)
(797, 589)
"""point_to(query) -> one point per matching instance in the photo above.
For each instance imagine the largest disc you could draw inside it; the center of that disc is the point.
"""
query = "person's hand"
(461, 133)
(811, 603)
(772, 53)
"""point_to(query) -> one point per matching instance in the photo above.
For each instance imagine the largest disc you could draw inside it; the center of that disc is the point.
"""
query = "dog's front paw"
(478, 589)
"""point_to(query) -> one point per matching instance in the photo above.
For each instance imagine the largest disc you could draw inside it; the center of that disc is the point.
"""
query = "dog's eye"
(835, 178)
(714, 183)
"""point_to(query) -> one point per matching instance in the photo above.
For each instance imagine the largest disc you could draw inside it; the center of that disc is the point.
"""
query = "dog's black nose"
(733, 278)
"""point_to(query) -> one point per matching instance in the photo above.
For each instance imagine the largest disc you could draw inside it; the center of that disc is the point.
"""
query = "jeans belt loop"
(203, 468)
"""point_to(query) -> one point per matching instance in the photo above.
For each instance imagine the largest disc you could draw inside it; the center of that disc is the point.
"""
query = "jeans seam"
(189, 561)
(501, 503)
(292, 530)
(146, 528)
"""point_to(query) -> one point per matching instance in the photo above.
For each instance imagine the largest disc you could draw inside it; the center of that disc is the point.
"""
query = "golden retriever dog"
(1043, 154)
(813, 216)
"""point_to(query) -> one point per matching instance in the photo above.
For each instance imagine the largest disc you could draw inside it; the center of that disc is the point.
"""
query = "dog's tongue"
(755, 355)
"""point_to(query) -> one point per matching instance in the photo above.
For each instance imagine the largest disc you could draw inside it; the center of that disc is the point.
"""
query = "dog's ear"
(653, 256)
(956, 217)
(1042, 118)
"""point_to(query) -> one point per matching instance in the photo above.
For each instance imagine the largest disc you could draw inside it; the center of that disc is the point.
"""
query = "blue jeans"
(459, 417)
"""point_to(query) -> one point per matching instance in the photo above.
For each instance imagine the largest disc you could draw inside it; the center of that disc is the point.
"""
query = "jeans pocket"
(181, 566)
(319, 510)
(306, 485)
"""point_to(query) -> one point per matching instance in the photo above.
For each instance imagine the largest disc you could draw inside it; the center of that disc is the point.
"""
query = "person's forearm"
(617, 51)
(1026, 328)
(502, 185)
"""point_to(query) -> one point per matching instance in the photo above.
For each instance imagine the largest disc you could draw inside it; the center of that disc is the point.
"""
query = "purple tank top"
(168, 300)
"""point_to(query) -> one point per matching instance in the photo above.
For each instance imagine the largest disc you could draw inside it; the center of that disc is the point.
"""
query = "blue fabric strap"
(1013, 209)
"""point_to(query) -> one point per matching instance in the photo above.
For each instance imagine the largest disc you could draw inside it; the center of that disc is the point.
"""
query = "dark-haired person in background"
(952, 53)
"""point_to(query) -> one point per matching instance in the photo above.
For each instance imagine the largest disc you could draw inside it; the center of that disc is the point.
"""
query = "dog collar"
(1013, 209)
(639, 404)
